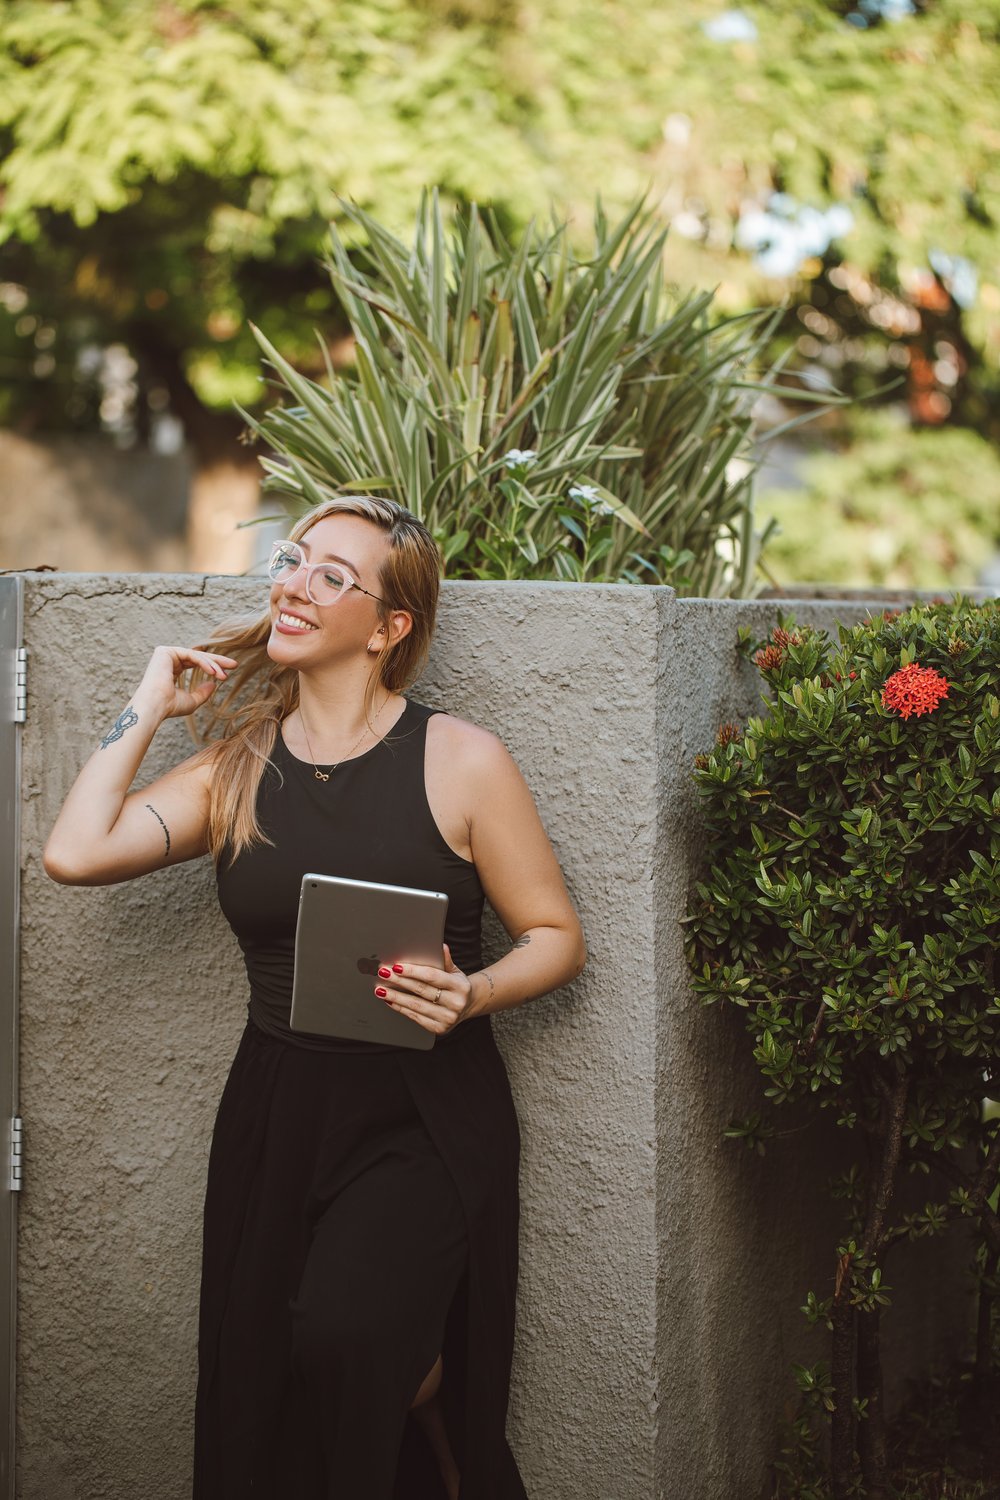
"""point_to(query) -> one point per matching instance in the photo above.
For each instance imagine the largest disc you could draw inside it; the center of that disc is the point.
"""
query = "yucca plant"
(546, 415)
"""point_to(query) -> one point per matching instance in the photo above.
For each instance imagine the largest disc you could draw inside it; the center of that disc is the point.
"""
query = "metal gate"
(12, 714)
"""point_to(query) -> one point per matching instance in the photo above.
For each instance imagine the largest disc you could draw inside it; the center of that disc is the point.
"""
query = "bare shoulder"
(497, 824)
(468, 746)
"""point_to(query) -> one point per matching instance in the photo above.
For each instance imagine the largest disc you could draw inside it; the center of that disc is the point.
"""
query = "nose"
(296, 585)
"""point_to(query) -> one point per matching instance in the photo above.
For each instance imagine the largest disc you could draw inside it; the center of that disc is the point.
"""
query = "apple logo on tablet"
(368, 965)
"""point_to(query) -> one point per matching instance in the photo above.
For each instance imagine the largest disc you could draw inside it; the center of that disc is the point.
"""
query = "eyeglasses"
(326, 582)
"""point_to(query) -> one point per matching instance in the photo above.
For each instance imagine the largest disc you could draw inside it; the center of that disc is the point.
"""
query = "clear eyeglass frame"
(287, 558)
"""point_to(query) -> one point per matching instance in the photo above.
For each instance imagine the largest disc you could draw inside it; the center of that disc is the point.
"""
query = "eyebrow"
(332, 557)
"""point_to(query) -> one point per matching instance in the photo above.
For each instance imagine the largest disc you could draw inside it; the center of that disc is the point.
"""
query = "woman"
(360, 1236)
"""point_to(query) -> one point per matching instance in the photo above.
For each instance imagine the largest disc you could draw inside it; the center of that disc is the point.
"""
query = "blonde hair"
(239, 727)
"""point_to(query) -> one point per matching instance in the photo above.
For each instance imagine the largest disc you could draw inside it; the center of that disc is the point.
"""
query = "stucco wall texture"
(661, 1266)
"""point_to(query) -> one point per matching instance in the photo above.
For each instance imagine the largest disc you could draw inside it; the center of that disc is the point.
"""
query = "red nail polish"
(398, 968)
(385, 973)
(380, 992)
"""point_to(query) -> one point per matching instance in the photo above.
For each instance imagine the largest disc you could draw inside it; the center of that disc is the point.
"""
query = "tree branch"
(885, 1180)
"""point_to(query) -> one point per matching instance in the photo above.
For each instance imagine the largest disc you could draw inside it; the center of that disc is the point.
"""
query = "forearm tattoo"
(523, 941)
(166, 830)
(124, 721)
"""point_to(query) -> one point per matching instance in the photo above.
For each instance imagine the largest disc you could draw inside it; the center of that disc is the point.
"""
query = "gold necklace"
(325, 775)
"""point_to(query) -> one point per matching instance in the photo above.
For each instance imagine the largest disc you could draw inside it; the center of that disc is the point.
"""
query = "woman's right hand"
(161, 687)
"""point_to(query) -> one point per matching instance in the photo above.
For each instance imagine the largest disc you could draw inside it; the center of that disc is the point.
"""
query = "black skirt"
(361, 1217)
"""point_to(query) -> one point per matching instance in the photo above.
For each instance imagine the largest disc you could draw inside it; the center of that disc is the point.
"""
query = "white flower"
(520, 458)
(587, 494)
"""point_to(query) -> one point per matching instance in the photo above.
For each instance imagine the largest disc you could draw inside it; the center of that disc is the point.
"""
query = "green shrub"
(547, 415)
(851, 909)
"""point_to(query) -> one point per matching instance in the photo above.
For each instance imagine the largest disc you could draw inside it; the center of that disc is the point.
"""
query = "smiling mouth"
(295, 622)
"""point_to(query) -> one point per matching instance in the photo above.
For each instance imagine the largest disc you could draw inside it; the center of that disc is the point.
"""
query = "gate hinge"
(20, 684)
(16, 1154)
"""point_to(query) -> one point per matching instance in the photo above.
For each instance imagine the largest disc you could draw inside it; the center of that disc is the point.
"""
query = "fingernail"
(380, 992)
(397, 968)
(385, 973)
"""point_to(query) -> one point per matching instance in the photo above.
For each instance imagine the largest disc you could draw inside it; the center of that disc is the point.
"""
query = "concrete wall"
(661, 1267)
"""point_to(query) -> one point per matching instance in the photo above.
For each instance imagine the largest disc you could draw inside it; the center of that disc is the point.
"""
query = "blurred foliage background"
(169, 171)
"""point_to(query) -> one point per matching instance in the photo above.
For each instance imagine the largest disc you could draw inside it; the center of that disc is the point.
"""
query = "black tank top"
(370, 821)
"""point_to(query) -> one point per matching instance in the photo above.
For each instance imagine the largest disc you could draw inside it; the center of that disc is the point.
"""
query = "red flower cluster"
(772, 656)
(768, 658)
(914, 690)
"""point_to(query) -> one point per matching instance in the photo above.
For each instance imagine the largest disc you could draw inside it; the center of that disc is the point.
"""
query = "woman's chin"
(286, 650)
(278, 649)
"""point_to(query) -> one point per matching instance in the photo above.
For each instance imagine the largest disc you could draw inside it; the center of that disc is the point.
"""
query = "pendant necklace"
(325, 775)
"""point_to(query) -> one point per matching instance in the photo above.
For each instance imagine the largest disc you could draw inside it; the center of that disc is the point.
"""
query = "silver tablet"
(346, 929)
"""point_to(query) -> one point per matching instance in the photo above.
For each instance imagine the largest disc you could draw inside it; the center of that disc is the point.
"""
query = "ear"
(399, 623)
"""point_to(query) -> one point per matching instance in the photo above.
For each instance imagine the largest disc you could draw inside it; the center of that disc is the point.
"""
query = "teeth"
(295, 622)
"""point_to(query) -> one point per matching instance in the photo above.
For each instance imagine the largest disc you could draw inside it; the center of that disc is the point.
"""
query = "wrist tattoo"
(489, 976)
(166, 830)
(124, 721)
(523, 940)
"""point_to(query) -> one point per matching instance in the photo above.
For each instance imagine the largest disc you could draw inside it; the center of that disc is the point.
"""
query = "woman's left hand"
(436, 999)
